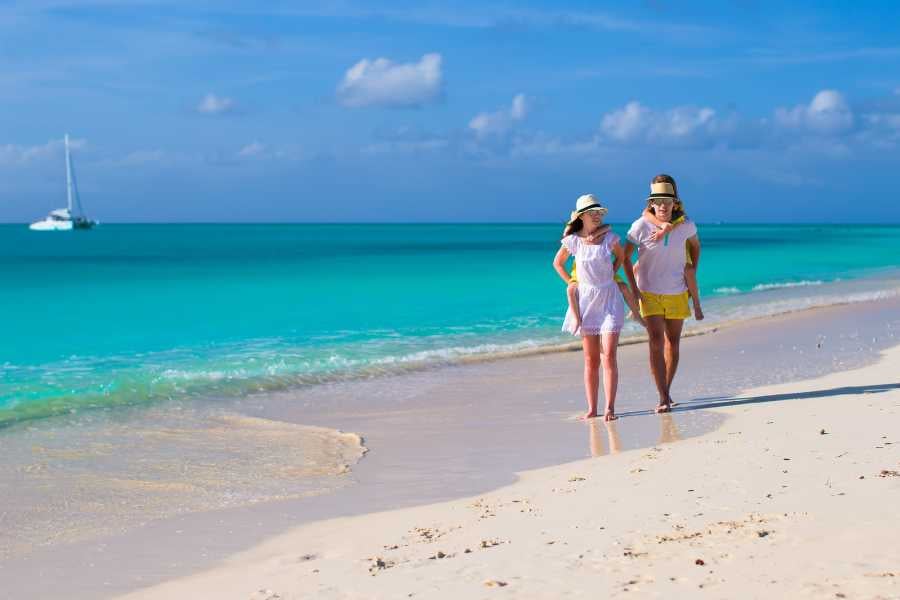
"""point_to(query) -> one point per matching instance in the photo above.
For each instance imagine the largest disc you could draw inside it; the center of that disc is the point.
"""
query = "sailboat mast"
(68, 175)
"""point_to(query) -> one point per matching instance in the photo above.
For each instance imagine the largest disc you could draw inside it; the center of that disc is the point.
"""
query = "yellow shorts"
(670, 306)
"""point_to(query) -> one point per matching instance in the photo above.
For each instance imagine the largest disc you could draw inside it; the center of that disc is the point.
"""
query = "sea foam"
(761, 287)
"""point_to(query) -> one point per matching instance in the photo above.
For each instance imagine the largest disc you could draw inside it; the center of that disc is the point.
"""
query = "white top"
(593, 262)
(599, 300)
(661, 262)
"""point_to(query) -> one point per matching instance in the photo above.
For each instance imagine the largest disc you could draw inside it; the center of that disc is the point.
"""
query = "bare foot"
(587, 415)
(664, 407)
(698, 313)
(609, 416)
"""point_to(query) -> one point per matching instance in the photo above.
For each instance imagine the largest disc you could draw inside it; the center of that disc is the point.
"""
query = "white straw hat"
(585, 203)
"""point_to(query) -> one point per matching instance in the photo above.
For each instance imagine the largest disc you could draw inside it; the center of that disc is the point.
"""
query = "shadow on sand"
(722, 401)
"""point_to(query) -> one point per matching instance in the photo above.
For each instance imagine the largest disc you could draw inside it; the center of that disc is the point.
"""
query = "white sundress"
(602, 307)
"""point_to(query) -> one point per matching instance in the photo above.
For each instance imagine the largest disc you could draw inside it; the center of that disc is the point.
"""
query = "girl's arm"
(620, 257)
(690, 275)
(629, 269)
(559, 264)
(649, 216)
(693, 248)
(662, 227)
(601, 231)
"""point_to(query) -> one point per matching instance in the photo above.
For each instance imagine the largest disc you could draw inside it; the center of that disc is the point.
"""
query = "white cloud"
(881, 128)
(684, 124)
(141, 157)
(381, 82)
(215, 105)
(542, 145)
(828, 112)
(13, 154)
(252, 149)
(407, 140)
(485, 124)
(889, 120)
(489, 17)
(626, 123)
(519, 108)
(138, 158)
(406, 146)
(257, 151)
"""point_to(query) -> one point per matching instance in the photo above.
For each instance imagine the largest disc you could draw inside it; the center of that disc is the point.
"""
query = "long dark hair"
(573, 227)
(678, 207)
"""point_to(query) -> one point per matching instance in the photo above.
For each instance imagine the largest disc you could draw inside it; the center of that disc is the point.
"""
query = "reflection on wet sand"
(596, 437)
(604, 438)
(668, 429)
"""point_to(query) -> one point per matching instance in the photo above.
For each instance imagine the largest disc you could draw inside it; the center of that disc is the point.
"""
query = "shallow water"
(135, 314)
(67, 480)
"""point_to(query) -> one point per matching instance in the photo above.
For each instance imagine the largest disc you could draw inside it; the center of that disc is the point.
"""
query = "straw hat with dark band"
(585, 203)
(662, 190)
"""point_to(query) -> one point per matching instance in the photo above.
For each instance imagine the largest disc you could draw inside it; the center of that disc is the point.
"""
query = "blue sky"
(470, 111)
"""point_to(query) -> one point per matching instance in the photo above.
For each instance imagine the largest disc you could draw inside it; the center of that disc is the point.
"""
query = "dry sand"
(795, 496)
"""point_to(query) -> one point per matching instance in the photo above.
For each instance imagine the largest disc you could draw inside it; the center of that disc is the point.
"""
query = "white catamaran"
(63, 219)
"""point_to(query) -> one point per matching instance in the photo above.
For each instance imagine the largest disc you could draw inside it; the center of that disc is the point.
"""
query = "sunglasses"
(664, 201)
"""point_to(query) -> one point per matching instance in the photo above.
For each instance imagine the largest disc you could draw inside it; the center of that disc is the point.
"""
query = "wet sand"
(102, 476)
(461, 431)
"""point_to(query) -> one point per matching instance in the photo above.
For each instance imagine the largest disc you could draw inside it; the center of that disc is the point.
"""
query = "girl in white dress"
(601, 309)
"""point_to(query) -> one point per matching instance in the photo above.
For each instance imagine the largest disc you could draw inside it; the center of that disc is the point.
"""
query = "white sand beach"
(330, 300)
(794, 496)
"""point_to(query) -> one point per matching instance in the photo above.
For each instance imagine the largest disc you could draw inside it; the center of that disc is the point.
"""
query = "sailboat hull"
(51, 225)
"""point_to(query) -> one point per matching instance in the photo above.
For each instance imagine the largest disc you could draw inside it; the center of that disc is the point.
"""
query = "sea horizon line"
(486, 223)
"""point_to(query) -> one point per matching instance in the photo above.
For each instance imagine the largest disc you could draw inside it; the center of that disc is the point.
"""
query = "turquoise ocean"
(131, 314)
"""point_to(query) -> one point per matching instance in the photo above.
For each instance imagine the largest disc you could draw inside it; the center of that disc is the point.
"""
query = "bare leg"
(632, 303)
(572, 293)
(610, 363)
(673, 345)
(690, 278)
(591, 345)
(656, 332)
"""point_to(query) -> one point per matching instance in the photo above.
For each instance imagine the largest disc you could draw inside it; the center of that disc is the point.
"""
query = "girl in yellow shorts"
(663, 229)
